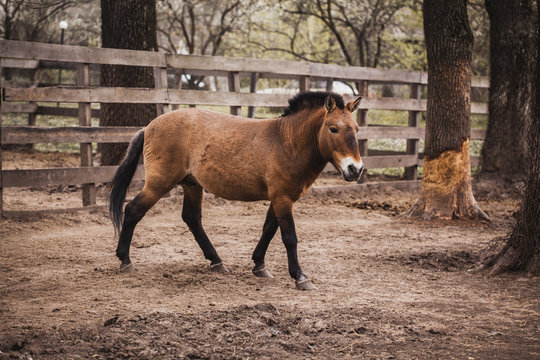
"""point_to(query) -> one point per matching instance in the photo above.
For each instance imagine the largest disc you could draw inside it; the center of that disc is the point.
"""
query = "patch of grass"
(476, 147)
(479, 121)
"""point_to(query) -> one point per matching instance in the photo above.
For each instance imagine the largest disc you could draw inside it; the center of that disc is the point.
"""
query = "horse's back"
(227, 155)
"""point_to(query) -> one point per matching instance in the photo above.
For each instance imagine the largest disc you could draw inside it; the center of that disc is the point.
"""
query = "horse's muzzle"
(352, 171)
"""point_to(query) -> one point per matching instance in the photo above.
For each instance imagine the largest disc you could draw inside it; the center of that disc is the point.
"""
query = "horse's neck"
(299, 134)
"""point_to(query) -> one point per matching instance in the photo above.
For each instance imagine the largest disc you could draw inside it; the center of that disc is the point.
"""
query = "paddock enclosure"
(388, 287)
(80, 95)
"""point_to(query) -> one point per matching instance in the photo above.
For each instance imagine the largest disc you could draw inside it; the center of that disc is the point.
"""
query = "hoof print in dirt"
(219, 268)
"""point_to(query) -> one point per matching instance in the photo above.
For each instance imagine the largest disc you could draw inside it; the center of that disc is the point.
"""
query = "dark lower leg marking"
(269, 230)
(191, 214)
(290, 240)
(133, 213)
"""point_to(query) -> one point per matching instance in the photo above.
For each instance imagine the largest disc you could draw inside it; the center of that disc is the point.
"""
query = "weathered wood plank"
(476, 161)
(411, 172)
(62, 176)
(254, 79)
(210, 64)
(219, 63)
(375, 162)
(79, 54)
(200, 97)
(303, 83)
(233, 80)
(390, 132)
(88, 189)
(89, 95)
(36, 135)
(356, 73)
(479, 108)
(362, 121)
(402, 132)
(478, 134)
(196, 97)
(480, 82)
(19, 63)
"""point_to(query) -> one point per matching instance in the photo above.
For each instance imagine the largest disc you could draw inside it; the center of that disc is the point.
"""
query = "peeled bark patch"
(446, 187)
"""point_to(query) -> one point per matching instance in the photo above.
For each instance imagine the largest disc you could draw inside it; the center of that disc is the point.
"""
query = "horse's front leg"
(283, 210)
(269, 230)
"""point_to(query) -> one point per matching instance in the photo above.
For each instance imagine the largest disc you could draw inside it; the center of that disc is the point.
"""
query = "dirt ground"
(388, 287)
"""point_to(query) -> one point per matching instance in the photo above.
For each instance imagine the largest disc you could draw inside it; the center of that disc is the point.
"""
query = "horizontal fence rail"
(30, 98)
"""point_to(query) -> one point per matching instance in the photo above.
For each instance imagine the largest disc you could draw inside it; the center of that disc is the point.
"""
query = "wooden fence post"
(362, 120)
(234, 85)
(253, 89)
(303, 83)
(329, 84)
(160, 80)
(85, 119)
(411, 172)
(35, 83)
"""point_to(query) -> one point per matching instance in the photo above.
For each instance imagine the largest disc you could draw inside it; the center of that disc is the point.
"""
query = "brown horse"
(238, 159)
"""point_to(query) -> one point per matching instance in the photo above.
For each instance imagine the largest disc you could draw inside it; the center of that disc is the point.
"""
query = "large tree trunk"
(522, 250)
(126, 24)
(446, 186)
(512, 63)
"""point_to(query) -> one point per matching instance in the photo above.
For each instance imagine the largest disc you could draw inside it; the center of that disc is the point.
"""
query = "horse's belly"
(233, 187)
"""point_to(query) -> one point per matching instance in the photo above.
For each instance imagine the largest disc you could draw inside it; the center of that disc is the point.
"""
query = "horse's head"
(337, 139)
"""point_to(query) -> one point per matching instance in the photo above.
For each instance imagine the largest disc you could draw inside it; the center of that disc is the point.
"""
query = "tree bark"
(127, 24)
(512, 68)
(522, 249)
(446, 186)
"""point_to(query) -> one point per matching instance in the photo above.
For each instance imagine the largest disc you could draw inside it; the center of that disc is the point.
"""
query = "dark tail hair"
(122, 179)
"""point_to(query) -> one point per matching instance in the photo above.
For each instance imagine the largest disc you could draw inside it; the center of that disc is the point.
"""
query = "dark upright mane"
(311, 99)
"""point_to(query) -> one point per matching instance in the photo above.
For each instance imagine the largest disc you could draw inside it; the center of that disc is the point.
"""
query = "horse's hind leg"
(191, 214)
(269, 230)
(134, 212)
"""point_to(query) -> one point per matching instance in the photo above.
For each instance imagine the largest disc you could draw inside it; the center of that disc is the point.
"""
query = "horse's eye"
(333, 130)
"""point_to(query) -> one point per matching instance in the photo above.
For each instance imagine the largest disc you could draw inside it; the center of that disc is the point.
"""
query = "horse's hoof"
(262, 273)
(127, 268)
(219, 268)
(305, 284)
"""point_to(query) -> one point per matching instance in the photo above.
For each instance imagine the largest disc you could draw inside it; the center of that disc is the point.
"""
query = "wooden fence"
(29, 99)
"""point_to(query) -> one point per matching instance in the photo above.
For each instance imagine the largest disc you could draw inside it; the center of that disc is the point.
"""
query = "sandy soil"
(389, 287)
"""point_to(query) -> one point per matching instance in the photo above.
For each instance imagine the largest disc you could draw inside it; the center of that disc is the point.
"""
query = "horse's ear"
(330, 103)
(353, 105)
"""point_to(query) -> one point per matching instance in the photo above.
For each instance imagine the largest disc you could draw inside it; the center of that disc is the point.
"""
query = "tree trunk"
(512, 63)
(522, 250)
(446, 186)
(127, 24)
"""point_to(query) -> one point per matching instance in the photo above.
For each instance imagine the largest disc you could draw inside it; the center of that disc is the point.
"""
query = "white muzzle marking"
(351, 169)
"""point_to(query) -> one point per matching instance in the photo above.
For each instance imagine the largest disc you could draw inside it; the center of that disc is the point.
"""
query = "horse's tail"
(122, 179)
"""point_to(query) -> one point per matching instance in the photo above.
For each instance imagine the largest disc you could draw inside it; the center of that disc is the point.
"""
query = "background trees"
(198, 27)
(446, 186)
(522, 249)
(513, 43)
